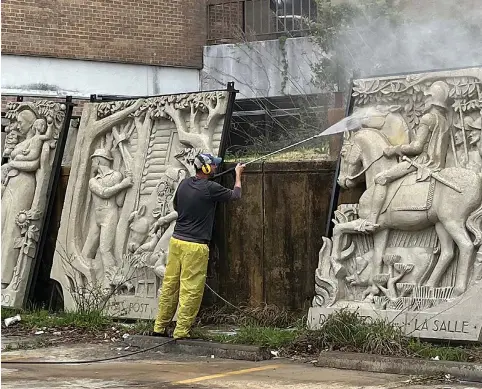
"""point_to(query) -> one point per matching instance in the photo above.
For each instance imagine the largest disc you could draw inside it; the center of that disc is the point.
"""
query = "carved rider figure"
(107, 188)
(428, 148)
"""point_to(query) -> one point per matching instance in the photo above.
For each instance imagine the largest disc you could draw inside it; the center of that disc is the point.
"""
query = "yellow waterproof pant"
(184, 279)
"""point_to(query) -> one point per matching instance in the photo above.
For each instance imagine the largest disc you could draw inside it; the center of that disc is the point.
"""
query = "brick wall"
(157, 32)
(225, 22)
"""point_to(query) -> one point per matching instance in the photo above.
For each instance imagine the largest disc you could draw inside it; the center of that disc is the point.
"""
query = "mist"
(442, 35)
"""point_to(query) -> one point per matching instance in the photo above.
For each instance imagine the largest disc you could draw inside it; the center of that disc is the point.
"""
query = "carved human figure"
(475, 145)
(458, 138)
(107, 188)
(158, 241)
(428, 148)
(18, 187)
(31, 148)
(12, 138)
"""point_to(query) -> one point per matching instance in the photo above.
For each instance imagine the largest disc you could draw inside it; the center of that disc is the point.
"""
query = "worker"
(195, 202)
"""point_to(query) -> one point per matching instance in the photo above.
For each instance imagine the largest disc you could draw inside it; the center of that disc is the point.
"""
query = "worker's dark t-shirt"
(195, 202)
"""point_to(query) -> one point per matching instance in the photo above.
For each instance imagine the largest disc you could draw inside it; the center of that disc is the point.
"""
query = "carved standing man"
(107, 187)
(428, 147)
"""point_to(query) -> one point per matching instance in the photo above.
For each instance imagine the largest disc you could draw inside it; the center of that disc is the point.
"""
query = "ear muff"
(206, 169)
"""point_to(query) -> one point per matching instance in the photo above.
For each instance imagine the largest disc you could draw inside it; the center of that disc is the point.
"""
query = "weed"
(264, 315)
(142, 327)
(265, 336)
(9, 312)
(444, 353)
(271, 337)
(346, 330)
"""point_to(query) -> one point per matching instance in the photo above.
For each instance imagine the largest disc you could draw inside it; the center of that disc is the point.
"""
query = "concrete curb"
(19, 342)
(395, 365)
(202, 348)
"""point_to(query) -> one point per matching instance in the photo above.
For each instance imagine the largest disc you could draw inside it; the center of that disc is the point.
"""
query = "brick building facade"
(83, 47)
(154, 32)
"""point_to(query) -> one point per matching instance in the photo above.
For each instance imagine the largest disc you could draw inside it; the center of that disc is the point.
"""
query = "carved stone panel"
(30, 146)
(412, 245)
(118, 216)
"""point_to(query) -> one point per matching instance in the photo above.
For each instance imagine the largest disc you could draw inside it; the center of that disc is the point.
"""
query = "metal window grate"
(238, 20)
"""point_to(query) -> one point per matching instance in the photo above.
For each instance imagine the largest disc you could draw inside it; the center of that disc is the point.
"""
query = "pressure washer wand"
(270, 154)
(349, 123)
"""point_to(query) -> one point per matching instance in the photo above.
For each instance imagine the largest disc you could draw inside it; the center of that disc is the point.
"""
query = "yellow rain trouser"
(184, 281)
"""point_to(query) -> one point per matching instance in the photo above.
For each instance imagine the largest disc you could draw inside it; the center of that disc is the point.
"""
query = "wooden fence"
(265, 246)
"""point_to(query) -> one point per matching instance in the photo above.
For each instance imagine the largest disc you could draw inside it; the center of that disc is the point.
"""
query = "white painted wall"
(257, 67)
(61, 77)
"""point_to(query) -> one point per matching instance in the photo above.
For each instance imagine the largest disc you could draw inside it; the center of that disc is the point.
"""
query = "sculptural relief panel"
(412, 245)
(118, 215)
(30, 147)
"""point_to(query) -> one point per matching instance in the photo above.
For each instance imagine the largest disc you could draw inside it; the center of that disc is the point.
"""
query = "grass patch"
(300, 154)
(271, 337)
(93, 320)
(266, 326)
(443, 352)
(344, 330)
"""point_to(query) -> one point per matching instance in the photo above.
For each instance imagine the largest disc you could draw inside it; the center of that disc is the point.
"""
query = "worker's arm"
(237, 185)
(221, 194)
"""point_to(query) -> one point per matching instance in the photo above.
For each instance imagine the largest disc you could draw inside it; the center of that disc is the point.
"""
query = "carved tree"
(186, 112)
(91, 128)
(143, 123)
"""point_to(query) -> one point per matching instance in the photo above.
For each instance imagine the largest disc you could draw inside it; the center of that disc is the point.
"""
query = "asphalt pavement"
(157, 370)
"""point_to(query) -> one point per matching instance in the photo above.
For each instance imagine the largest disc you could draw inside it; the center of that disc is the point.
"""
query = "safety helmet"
(102, 153)
(438, 94)
(476, 124)
(468, 122)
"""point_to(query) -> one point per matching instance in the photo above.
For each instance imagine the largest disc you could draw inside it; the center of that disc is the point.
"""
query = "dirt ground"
(156, 370)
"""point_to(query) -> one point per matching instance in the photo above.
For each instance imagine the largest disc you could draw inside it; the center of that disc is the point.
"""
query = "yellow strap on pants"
(184, 279)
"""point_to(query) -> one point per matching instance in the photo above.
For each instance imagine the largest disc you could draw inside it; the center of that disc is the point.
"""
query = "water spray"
(350, 123)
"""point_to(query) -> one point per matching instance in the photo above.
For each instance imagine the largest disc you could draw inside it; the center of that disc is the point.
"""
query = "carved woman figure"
(32, 148)
(18, 187)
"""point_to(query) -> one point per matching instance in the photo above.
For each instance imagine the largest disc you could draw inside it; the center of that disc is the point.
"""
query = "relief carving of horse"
(452, 213)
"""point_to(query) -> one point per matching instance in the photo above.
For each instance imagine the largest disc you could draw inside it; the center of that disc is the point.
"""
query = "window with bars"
(238, 20)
